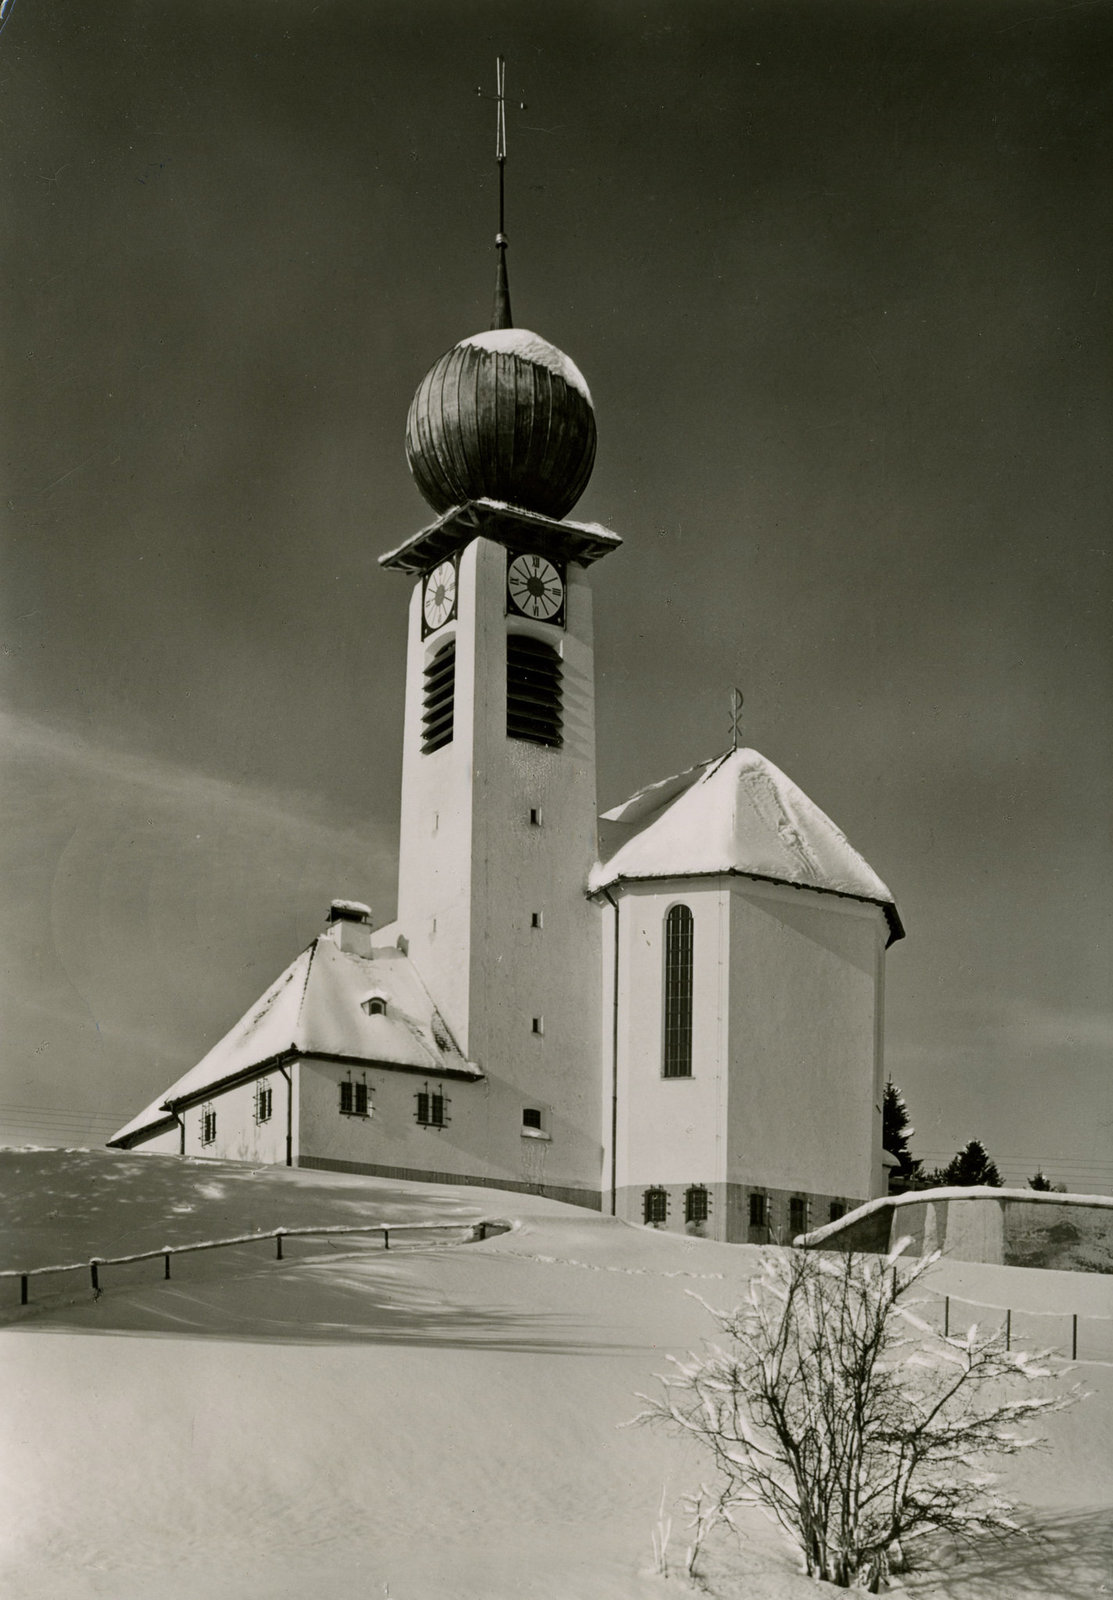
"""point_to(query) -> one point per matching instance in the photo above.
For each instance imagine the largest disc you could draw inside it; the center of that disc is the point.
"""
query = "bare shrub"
(832, 1406)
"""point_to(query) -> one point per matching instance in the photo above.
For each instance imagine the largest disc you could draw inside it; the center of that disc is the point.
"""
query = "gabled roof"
(315, 1009)
(737, 813)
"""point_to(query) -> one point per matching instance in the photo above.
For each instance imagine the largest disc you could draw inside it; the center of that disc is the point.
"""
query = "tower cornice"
(506, 524)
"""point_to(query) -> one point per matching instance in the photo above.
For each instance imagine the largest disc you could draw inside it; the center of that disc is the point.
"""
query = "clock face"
(439, 600)
(535, 587)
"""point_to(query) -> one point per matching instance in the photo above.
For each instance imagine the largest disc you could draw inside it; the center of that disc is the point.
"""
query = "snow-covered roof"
(737, 813)
(531, 347)
(315, 1009)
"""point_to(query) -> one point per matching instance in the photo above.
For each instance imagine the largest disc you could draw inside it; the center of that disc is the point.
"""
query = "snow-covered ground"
(430, 1424)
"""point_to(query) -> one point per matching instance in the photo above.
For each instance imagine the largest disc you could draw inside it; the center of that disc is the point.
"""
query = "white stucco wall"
(805, 1040)
(392, 1137)
(671, 1130)
(238, 1136)
(473, 870)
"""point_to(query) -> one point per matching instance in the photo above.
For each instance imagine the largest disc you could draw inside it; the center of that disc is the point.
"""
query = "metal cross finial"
(736, 698)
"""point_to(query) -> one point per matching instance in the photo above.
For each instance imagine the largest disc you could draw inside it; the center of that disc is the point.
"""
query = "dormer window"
(375, 1006)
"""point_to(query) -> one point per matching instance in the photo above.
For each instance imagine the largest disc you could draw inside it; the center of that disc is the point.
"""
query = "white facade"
(499, 833)
(783, 1098)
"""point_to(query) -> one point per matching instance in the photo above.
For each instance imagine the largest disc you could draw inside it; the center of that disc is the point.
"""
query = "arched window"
(439, 699)
(678, 993)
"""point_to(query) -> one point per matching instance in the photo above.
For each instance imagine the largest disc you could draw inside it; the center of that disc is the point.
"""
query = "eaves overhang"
(513, 526)
(892, 915)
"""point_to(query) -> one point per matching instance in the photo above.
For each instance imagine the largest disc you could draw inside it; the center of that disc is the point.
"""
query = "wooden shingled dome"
(504, 415)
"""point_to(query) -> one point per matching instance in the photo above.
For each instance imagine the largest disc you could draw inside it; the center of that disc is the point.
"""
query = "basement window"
(797, 1215)
(208, 1125)
(655, 1206)
(439, 699)
(835, 1210)
(533, 691)
(759, 1211)
(264, 1101)
(354, 1099)
(697, 1203)
(432, 1108)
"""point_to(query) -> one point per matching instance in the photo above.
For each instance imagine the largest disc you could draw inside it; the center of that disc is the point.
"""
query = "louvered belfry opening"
(440, 699)
(533, 691)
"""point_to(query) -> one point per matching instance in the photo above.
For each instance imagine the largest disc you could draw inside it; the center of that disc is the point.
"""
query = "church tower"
(498, 785)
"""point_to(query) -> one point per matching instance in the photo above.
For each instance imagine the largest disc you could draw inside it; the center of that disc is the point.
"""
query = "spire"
(501, 317)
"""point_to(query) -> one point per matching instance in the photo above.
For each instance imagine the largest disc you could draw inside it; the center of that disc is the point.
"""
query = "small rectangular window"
(531, 1117)
(535, 920)
(696, 1204)
(655, 1205)
(208, 1125)
(539, 1024)
(355, 1099)
(797, 1215)
(264, 1101)
(758, 1211)
(535, 816)
(836, 1210)
(432, 1108)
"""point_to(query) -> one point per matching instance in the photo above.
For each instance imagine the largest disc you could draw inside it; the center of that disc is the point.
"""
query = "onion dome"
(505, 416)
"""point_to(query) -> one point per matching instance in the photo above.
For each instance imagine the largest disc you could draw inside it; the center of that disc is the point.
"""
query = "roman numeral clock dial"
(535, 589)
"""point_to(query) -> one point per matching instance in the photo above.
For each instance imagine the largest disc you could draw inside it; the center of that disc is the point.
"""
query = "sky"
(838, 277)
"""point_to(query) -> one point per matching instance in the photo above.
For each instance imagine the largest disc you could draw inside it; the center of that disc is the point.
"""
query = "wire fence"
(1076, 1335)
(471, 1231)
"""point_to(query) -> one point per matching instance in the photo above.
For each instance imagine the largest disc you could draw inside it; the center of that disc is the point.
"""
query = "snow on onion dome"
(503, 415)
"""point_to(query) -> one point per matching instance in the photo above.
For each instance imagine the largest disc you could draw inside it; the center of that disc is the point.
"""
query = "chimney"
(349, 926)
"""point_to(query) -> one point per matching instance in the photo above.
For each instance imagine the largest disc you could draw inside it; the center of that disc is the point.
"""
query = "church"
(672, 1013)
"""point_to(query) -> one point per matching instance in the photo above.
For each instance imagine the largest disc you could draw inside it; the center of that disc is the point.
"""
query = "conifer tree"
(896, 1131)
(971, 1167)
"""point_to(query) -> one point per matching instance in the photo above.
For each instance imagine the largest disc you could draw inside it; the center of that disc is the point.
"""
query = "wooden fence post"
(1074, 1337)
(1008, 1330)
(386, 1238)
(166, 1258)
(23, 1290)
(278, 1242)
(93, 1275)
(946, 1316)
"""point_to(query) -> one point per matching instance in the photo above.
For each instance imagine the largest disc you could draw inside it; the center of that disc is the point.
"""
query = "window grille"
(836, 1210)
(655, 1205)
(797, 1215)
(758, 1211)
(431, 1108)
(208, 1125)
(696, 1204)
(264, 1101)
(531, 1118)
(355, 1099)
(439, 699)
(533, 691)
(678, 992)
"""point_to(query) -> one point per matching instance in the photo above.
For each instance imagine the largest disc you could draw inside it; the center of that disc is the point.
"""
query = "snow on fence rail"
(472, 1230)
